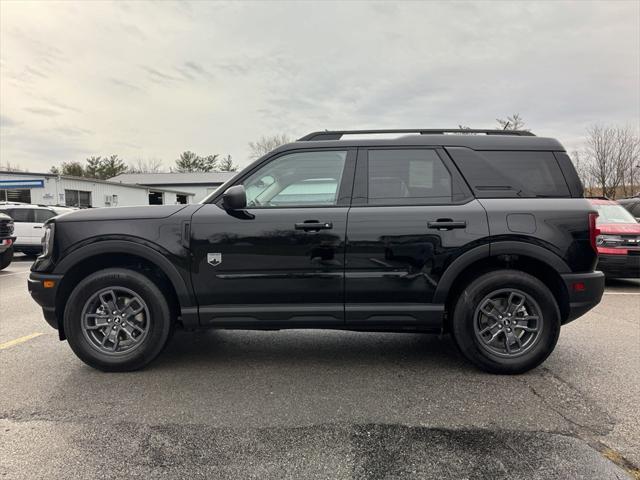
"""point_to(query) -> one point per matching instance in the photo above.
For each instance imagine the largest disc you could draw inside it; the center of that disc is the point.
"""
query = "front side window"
(297, 179)
(43, 215)
(407, 177)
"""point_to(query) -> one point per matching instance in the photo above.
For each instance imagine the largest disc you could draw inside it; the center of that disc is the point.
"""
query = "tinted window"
(511, 174)
(43, 215)
(407, 177)
(21, 214)
(297, 179)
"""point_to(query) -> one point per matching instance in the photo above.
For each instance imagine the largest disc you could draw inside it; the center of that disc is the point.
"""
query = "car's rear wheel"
(117, 320)
(5, 258)
(506, 321)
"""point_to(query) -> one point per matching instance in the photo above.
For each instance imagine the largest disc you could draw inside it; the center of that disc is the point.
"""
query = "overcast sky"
(152, 79)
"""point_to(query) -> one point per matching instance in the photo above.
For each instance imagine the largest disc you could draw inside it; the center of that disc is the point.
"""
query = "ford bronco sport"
(483, 234)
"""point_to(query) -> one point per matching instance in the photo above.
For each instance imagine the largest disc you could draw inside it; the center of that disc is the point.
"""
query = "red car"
(619, 240)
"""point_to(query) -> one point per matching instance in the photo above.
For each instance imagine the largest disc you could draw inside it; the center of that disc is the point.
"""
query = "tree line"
(106, 167)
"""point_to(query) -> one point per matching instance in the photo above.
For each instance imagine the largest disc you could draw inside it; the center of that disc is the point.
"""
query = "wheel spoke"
(107, 334)
(130, 329)
(492, 338)
(527, 328)
(99, 321)
(487, 329)
(109, 300)
(130, 310)
(515, 302)
(491, 312)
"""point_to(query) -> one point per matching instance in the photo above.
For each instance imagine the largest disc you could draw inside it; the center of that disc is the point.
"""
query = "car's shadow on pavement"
(632, 283)
(309, 348)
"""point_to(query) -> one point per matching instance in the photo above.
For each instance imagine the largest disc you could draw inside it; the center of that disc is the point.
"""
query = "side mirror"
(235, 198)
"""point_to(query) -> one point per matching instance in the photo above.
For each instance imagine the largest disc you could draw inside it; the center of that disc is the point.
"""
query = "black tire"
(5, 258)
(158, 326)
(467, 330)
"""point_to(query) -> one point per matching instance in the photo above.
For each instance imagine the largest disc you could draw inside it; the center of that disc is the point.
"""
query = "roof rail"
(337, 134)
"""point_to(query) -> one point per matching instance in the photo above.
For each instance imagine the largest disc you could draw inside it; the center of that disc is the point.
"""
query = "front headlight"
(47, 240)
(609, 240)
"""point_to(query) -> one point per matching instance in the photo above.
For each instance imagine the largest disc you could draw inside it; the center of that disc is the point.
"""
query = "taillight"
(593, 230)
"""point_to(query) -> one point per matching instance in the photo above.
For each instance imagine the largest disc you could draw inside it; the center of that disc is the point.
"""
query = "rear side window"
(500, 174)
(21, 215)
(407, 177)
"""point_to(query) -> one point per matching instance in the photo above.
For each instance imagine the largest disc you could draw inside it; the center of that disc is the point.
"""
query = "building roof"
(199, 178)
(90, 180)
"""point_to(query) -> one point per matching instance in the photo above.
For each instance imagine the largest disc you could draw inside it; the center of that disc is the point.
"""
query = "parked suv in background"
(6, 240)
(29, 222)
(619, 240)
(482, 234)
(633, 205)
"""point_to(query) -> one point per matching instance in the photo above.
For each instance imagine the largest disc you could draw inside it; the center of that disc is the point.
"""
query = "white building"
(51, 189)
(200, 184)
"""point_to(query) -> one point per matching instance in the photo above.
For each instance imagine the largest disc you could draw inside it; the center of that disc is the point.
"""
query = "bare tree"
(151, 165)
(9, 167)
(266, 144)
(514, 122)
(599, 152)
(582, 167)
(626, 157)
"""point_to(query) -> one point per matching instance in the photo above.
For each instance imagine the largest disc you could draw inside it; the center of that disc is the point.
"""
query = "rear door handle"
(311, 225)
(446, 224)
(38, 227)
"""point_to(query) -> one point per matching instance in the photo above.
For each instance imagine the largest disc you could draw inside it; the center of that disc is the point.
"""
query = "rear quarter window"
(511, 174)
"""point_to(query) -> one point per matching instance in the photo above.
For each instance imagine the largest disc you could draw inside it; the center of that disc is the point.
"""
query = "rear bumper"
(45, 297)
(585, 292)
(619, 266)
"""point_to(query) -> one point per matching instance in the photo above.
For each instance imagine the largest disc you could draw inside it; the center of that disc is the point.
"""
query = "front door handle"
(311, 225)
(38, 227)
(446, 224)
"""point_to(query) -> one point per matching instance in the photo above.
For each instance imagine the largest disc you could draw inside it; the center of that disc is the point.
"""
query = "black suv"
(483, 234)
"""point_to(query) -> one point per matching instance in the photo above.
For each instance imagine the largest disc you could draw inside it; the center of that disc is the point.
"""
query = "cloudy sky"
(152, 79)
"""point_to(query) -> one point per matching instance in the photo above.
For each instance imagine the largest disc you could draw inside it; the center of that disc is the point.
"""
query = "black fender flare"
(131, 247)
(494, 249)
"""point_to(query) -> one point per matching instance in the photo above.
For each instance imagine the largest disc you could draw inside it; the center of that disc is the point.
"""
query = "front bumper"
(585, 292)
(619, 266)
(45, 296)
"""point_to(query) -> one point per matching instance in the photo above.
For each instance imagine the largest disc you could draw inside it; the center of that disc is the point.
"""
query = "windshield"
(609, 213)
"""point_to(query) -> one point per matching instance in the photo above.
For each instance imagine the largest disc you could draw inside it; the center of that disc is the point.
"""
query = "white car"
(28, 224)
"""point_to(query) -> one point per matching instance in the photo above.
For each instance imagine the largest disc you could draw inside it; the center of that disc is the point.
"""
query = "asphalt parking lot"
(320, 404)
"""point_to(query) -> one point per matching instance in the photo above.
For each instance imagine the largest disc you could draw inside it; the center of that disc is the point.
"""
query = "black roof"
(474, 139)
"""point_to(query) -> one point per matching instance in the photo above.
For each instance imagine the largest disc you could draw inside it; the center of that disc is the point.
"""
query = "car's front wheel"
(117, 320)
(506, 321)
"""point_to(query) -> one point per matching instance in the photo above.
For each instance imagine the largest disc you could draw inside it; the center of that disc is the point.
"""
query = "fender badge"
(214, 259)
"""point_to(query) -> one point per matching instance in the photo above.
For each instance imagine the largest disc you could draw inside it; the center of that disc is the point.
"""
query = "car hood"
(119, 213)
(620, 228)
